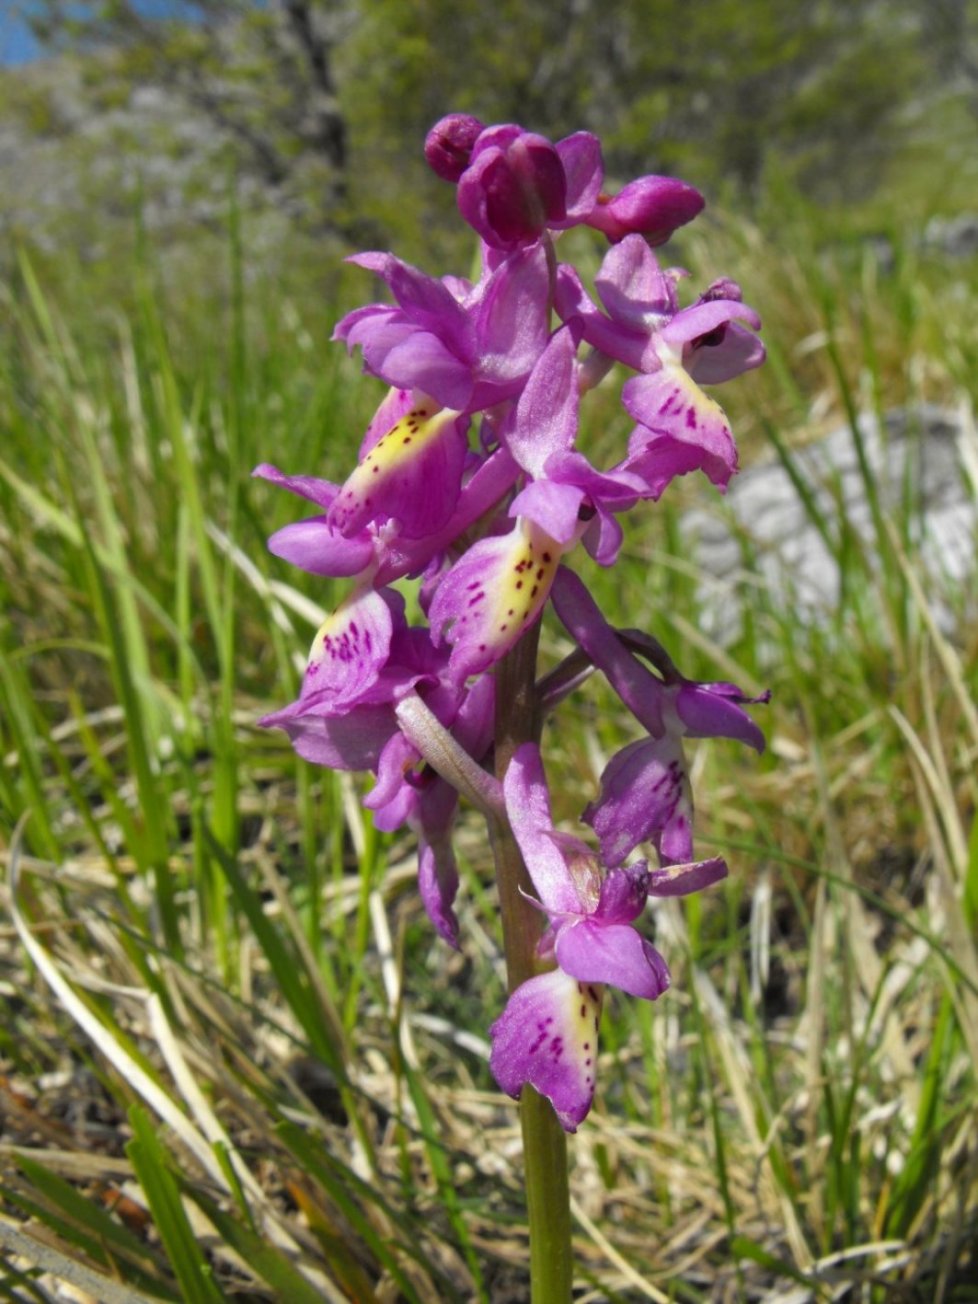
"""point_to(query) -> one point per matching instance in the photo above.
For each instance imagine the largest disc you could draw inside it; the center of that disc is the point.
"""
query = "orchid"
(645, 791)
(548, 1033)
(473, 484)
(466, 346)
(681, 428)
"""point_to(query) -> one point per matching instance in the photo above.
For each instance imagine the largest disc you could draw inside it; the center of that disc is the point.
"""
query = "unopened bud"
(650, 206)
(448, 145)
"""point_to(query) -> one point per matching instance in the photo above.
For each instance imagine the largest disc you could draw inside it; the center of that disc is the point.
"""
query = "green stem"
(544, 1141)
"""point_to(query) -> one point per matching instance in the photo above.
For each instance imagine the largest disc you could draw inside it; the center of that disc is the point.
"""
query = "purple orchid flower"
(378, 552)
(547, 1035)
(645, 791)
(470, 481)
(466, 347)
(680, 427)
(364, 661)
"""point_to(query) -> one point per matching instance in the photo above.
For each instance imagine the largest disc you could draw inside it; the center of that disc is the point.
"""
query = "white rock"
(763, 533)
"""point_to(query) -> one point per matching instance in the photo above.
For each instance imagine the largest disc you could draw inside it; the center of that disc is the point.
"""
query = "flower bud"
(448, 145)
(649, 206)
(514, 187)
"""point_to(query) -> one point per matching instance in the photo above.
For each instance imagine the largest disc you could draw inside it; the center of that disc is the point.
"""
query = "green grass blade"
(162, 1192)
(269, 1264)
(102, 1237)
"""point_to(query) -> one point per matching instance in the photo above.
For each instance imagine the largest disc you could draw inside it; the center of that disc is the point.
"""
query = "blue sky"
(17, 45)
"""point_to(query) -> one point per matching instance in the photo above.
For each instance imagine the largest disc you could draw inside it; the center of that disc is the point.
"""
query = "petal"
(479, 495)
(528, 808)
(643, 790)
(314, 546)
(426, 301)
(623, 894)
(547, 1037)
(658, 459)
(438, 886)
(510, 322)
(348, 652)
(395, 404)
(393, 797)
(738, 351)
(680, 880)
(651, 206)
(614, 489)
(580, 155)
(437, 870)
(669, 402)
(612, 954)
(420, 360)
(603, 538)
(707, 713)
(555, 508)
(637, 687)
(624, 341)
(353, 741)
(492, 595)
(675, 842)
(321, 492)
(633, 288)
(546, 414)
(704, 317)
(411, 475)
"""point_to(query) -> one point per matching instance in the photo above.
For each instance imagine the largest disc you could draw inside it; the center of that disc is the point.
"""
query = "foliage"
(262, 77)
(319, 105)
(706, 90)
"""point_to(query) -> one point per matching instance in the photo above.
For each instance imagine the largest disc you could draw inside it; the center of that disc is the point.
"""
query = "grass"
(235, 1062)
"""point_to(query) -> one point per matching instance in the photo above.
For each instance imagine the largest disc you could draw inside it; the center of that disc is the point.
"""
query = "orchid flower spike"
(471, 488)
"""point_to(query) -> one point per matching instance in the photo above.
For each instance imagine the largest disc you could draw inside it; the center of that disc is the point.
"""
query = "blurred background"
(118, 114)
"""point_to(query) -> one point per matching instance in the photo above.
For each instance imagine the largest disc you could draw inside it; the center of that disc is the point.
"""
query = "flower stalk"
(544, 1140)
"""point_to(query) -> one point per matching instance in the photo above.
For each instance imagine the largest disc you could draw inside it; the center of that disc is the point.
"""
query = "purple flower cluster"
(470, 480)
